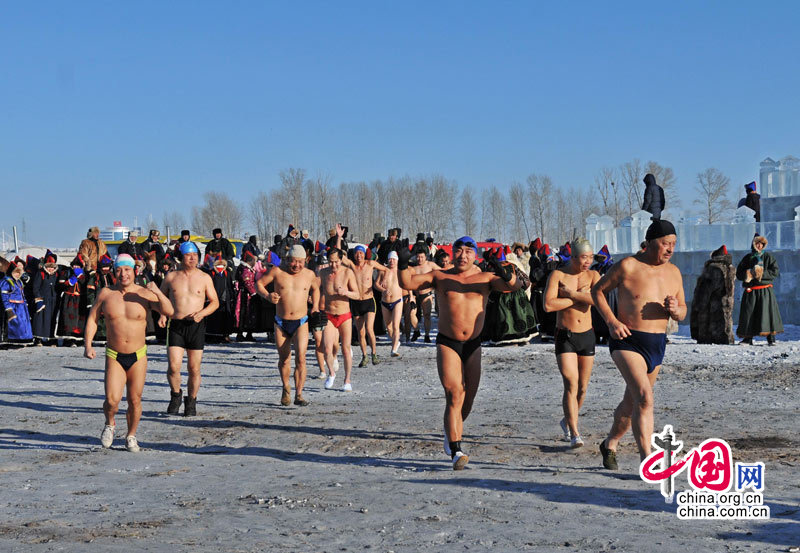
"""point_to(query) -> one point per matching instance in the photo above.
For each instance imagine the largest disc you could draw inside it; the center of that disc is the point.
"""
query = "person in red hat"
(72, 312)
(17, 318)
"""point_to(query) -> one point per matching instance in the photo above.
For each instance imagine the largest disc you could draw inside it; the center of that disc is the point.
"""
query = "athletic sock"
(455, 446)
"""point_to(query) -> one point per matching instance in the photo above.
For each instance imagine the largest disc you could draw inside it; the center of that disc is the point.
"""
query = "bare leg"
(370, 317)
(636, 408)
(329, 338)
(397, 314)
(319, 351)
(362, 338)
(568, 366)
(284, 344)
(585, 364)
(174, 362)
(460, 385)
(300, 348)
(346, 333)
(193, 359)
(136, 377)
(114, 386)
(427, 303)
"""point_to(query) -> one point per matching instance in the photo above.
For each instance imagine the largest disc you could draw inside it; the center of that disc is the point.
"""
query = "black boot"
(174, 402)
(189, 406)
(771, 339)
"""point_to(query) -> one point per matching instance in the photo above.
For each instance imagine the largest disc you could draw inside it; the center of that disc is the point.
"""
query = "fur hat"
(516, 245)
(91, 231)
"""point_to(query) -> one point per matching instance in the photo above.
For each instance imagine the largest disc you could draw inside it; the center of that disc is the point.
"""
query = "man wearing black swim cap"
(650, 292)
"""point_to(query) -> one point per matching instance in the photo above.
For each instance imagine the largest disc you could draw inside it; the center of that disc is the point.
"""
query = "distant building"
(117, 232)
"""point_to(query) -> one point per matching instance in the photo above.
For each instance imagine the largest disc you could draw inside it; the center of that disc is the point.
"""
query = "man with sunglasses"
(463, 291)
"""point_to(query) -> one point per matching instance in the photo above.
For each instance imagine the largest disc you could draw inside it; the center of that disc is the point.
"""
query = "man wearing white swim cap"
(189, 289)
(124, 305)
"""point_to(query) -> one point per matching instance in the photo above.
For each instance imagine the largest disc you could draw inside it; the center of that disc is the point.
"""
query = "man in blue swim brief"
(650, 292)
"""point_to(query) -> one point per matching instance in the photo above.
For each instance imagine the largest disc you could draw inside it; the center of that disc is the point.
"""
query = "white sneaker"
(460, 460)
(395, 354)
(565, 430)
(107, 437)
(447, 443)
(131, 444)
(576, 442)
(336, 365)
(347, 387)
(329, 381)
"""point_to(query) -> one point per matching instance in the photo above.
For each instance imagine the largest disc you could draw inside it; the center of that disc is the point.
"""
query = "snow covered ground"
(364, 471)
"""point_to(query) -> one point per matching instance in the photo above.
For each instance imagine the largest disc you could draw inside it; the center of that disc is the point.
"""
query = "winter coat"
(45, 299)
(753, 201)
(131, 248)
(247, 304)
(654, 201)
(149, 245)
(711, 319)
(222, 246)
(220, 323)
(17, 316)
(72, 311)
(759, 314)
(92, 250)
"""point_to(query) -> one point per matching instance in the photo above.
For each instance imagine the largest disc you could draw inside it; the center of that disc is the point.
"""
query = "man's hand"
(88, 351)
(506, 272)
(671, 305)
(153, 288)
(162, 321)
(564, 292)
(274, 297)
(618, 330)
(339, 230)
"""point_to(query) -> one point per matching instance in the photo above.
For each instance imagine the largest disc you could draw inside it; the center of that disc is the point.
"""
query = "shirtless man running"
(125, 306)
(391, 301)
(568, 293)
(293, 284)
(424, 294)
(363, 308)
(338, 285)
(650, 292)
(463, 292)
(189, 289)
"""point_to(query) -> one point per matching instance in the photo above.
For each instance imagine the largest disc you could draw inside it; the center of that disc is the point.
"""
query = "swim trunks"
(651, 346)
(362, 307)
(186, 334)
(290, 326)
(126, 360)
(581, 343)
(463, 349)
(390, 306)
(337, 320)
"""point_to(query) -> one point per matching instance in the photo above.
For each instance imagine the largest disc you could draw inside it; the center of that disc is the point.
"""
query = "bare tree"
(665, 177)
(174, 221)
(219, 210)
(292, 187)
(260, 217)
(607, 189)
(150, 224)
(631, 179)
(713, 189)
(469, 215)
(540, 189)
(516, 205)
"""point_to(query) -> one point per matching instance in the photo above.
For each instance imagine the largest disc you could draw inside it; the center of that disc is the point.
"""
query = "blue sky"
(113, 110)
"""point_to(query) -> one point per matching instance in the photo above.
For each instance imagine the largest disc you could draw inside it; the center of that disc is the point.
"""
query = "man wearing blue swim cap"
(125, 306)
(463, 292)
(193, 294)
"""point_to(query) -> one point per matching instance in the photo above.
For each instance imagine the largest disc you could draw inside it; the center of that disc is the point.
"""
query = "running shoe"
(395, 354)
(565, 430)
(329, 382)
(375, 359)
(347, 387)
(299, 400)
(363, 362)
(460, 460)
(576, 441)
(107, 437)
(609, 457)
(131, 444)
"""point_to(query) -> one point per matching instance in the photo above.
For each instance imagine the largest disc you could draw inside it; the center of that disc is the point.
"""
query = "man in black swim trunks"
(463, 292)
(649, 293)
(125, 307)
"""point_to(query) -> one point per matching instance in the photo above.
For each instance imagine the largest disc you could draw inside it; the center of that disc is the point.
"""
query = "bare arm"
(380, 282)
(584, 295)
(350, 288)
(91, 324)
(676, 305)
(264, 281)
(501, 285)
(315, 295)
(410, 281)
(609, 282)
(213, 301)
(551, 300)
(159, 301)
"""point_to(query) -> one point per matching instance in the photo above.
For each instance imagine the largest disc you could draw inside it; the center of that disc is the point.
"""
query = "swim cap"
(659, 228)
(297, 251)
(124, 260)
(465, 241)
(579, 246)
(361, 249)
(392, 255)
(189, 247)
